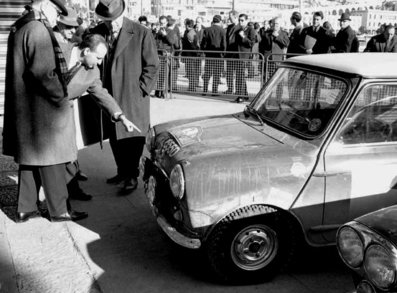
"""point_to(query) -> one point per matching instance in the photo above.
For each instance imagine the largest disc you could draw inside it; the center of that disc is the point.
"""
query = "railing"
(272, 61)
(210, 73)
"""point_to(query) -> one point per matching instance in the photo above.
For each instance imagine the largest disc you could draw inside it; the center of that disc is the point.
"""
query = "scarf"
(61, 65)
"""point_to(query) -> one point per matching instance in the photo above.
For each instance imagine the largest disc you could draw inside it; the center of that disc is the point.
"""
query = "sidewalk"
(39, 256)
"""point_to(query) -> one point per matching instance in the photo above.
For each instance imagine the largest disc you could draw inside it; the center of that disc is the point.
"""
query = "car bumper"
(151, 187)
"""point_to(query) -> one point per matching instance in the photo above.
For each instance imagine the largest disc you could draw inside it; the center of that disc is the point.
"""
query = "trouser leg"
(229, 75)
(131, 150)
(207, 74)
(217, 71)
(28, 188)
(240, 79)
(114, 145)
(53, 179)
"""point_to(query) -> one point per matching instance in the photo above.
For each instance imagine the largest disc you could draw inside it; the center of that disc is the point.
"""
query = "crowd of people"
(52, 60)
(237, 39)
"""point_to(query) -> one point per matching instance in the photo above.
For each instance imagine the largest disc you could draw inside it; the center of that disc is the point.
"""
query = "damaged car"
(316, 148)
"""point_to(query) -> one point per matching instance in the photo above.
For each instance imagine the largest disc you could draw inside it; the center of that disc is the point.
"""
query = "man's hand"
(241, 33)
(128, 125)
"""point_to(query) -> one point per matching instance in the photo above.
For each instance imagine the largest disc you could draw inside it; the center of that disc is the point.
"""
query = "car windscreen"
(300, 100)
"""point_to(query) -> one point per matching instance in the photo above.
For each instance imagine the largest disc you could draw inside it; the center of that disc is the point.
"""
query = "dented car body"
(314, 149)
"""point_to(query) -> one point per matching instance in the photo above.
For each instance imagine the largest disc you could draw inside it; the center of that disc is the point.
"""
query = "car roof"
(369, 65)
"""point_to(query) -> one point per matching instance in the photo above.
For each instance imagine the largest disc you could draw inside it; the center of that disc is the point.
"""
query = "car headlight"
(380, 266)
(177, 182)
(150, 139)
(365, 287)
(350, 246)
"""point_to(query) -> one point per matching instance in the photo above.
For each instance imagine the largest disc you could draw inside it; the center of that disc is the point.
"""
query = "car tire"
(251, 249)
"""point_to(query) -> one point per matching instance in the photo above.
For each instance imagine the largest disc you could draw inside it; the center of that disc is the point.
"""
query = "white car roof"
(373, 65)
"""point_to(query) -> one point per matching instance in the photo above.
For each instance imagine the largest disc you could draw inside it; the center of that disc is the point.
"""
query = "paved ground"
(120, 248)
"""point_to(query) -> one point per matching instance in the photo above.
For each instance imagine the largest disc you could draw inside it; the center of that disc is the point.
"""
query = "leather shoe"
(80, 196)
(76, 216)
(115, 179)
(81, 176)
(71, 216)
(23, 217)
(129, 186)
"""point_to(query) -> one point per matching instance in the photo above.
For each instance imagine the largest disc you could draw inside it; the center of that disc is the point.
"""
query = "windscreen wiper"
(255, 112)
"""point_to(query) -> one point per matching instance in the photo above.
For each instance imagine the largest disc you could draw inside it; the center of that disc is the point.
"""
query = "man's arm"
(40, 71)
(282, 40)
(150, 64)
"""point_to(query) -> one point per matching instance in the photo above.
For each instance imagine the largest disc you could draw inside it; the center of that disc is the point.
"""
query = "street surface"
(120, 248)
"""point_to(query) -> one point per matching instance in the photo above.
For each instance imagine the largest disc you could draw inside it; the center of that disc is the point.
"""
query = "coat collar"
(126, 33)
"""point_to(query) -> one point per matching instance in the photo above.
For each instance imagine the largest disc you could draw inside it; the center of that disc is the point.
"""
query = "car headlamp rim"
(177, 181)
(388, 256)
(343, 253)
(149, 138)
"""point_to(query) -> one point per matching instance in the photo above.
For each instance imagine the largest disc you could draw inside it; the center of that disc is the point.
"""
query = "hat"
(344, 16)
(110, 9)
(217, 18)
(61, 6)
(70, 19)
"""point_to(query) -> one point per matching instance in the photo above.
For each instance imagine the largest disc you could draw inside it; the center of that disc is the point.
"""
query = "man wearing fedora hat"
(64, 31)
(130, 72)
(36, 132)
(346, 40)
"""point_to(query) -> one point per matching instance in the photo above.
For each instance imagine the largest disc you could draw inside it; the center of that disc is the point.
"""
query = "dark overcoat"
(130, 75)
(270, 44)
(38, 118)
(378, 44)
(245, 44)
(214, 39)
(323, 43)
(231, 44)
(344, 40)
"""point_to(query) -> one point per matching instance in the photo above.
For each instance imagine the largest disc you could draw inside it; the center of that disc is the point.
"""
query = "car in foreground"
(368, 246)
(316, 148)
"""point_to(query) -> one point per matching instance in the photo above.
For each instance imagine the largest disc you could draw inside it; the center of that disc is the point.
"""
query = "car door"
(361, 161)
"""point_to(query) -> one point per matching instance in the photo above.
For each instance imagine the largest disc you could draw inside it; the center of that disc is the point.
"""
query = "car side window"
(373, 118)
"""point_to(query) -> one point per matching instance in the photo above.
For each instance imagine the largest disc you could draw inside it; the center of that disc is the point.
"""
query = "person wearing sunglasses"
(245, 39)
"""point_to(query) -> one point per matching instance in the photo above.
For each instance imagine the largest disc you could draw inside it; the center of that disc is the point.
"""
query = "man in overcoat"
(214, 39)
(296, 42)
(38, 128)
(346, 40)
(384, 42)
(274, 41)
(130, 71)
(319, 34)
(231, 46)
(245, 39)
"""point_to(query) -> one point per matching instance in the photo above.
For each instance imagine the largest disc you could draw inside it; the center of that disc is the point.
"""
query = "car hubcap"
(254, 247)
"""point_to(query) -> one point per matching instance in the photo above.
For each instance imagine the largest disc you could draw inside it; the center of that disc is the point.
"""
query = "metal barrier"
(272, 61)
(162, 84)
(208, 73)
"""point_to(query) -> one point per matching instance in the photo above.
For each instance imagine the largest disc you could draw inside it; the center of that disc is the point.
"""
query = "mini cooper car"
(368, 246)
(317, 147)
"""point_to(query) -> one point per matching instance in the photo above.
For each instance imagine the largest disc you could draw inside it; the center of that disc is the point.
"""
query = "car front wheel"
(250, 250)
